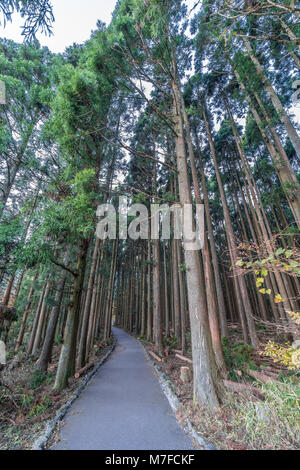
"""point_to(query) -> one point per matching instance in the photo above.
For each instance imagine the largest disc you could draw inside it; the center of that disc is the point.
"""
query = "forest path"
(123, 407)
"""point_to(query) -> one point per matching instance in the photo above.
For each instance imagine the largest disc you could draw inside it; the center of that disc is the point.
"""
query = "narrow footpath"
(123, 407)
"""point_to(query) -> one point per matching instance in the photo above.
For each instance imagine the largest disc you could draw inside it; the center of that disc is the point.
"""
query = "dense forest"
(165, 105)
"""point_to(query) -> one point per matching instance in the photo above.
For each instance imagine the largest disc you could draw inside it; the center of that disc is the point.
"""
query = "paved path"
(123, 407)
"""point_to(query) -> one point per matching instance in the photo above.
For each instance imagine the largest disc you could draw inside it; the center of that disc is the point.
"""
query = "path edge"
(42, 440)
(175, 403)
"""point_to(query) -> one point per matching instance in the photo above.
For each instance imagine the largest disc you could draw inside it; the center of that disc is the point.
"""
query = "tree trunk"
(208, 389)
(241, 289)
(65, 360)
(87, 308)
(218, 283)
(211, 299)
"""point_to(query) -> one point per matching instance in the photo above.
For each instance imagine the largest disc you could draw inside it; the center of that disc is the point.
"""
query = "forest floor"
(245, 418)
(28, 401)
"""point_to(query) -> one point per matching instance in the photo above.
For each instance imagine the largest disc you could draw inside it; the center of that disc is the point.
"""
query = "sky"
(74, 21)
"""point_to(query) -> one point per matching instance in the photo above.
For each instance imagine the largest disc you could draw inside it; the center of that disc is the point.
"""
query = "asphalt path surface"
(123, 407)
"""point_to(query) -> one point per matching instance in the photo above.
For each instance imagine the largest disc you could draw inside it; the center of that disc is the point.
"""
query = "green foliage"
(237, 355)
(41, 407)
(10, 234)
(58, 339)
(182, 268)
(171, 341)
(284, 354)
(258, 259)
(38, 378)
(27, 400)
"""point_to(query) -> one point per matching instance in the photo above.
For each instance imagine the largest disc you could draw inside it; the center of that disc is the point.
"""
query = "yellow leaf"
(278, 299)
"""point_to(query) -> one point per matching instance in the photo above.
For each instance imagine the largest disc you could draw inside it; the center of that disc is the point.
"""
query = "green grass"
(277, 424)
(38, 378)
(40, 408)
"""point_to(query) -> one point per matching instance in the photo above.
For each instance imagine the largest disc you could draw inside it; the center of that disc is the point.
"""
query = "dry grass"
(244, 421)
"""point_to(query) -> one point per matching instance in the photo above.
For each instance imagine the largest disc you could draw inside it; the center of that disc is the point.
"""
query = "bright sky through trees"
(74, 21)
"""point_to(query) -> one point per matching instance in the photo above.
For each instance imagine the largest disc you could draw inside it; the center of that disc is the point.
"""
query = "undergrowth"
(245, 422)
(274, 423)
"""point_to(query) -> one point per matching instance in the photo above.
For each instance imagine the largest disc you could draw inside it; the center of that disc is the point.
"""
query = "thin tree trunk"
(81, 360)
(42, 316)
(46, 352)
(291, 131)
(167, 312)
(36, 320)
(25, 315)
(149, 306)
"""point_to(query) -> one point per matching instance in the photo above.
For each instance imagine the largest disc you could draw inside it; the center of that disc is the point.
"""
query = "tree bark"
(65, 360)
(208, 389)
